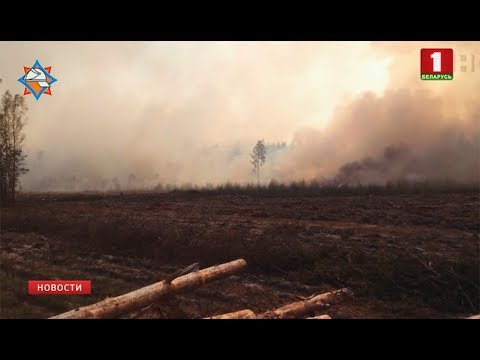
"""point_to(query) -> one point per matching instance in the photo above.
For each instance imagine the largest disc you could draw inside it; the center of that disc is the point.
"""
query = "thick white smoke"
(178, 112)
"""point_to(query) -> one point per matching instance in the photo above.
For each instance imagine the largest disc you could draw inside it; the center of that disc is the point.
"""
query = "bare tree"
(12, 158)
(258, 158)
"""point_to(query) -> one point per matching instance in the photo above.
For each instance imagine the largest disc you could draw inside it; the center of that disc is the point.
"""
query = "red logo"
(436, 64)
(59, 287)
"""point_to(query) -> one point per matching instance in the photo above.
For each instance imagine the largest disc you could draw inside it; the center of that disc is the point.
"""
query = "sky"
(190, 112)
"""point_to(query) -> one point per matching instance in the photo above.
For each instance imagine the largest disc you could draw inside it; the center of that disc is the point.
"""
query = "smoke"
(414, 130)
(394, 162)
(138, 114)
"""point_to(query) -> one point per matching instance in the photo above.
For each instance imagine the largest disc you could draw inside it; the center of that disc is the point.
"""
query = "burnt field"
(405, 255)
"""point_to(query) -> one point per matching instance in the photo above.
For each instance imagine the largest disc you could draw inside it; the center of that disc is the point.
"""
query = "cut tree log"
(297, 309)
(114, 307)
(301, 308)
(241, 314)
(320, 317)
(249, 314)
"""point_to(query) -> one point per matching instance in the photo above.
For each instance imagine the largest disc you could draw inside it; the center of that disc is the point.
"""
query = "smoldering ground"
(404, 134)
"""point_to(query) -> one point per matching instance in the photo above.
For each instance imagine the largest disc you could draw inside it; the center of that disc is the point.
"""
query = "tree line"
(13, 111)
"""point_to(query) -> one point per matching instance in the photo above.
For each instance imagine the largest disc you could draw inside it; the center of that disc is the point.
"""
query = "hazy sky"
(179, 109)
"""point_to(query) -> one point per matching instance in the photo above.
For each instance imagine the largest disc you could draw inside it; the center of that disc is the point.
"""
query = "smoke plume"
(414, 130)
(139, 114)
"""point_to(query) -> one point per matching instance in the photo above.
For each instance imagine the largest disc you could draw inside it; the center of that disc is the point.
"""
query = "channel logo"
(436, 64)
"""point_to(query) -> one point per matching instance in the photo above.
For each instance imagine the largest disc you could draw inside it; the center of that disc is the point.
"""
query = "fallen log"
(301, 308)
(113, 307)
(242, 314)
(249, 314)
(320, 317)
(474, 317)
(294, 310)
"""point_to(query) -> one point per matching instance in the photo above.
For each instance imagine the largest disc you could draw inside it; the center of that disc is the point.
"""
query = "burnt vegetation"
(408, 251)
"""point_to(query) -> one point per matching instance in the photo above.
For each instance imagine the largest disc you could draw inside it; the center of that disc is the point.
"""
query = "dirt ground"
(404, 256)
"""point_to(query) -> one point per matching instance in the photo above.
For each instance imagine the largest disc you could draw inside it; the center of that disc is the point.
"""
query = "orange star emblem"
(37, 80)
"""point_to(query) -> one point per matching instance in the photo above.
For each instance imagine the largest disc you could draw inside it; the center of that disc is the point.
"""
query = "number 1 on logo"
(437, 61)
